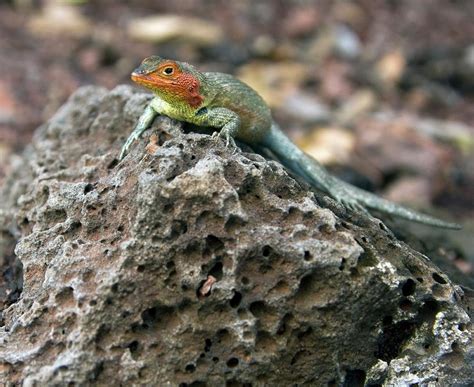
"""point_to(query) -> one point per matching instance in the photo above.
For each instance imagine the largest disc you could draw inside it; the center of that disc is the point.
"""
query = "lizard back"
(254, 113)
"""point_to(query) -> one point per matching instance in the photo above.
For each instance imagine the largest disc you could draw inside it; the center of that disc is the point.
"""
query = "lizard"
(222, 102)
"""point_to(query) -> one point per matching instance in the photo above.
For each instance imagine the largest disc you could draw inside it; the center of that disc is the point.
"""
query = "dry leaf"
(206, 287)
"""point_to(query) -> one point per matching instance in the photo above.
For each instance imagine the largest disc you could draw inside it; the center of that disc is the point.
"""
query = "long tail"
(377, 203)
(305, 166)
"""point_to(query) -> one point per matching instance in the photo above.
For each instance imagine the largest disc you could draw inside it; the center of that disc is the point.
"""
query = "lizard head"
(175, 82)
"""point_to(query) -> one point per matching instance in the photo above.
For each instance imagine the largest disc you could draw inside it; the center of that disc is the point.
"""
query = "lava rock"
(190, 264)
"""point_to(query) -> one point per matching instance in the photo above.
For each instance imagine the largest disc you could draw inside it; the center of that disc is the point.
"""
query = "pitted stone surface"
(114, 256)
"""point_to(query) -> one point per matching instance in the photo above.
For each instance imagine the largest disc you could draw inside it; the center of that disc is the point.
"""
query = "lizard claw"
(229, 140)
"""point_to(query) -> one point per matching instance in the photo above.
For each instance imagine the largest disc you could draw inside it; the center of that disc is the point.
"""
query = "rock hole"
(405, 304)
(88, 188)
(307, 286)
(120, 228)
(57, 216)
(154, 315)
(169, 179)
(281, 328)
(387, 320)
(307, 256)
(408, 287)
(392, 339)
(133, 346)
(207, 345)
(234, 223)
(305, 333)
(354, 378)
(190, 368)
(266, 251)
(74, 227)
(215, 359)
(113, 164)
(102, 332)
(429, 309)
(214, 243)
(439, 279)
(343, 264)
(236, 299)
(65, 294)
(178, 227)
(265, 268)
(217, 271)
(257, 308)
(245, 281)
(300, 357)
(232, 362)
(141, 268)
(420, 280)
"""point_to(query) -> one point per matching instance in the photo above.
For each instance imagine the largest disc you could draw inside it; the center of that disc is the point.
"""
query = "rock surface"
(187, 264)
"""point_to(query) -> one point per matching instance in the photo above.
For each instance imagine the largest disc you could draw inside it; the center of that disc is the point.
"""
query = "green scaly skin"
(223, 102)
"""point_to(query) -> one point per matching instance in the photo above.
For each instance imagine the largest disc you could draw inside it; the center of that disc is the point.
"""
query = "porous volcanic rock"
(190, 264)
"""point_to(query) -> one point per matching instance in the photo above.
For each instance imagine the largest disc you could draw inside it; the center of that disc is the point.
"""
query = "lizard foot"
(349, 201)
(229, 140)
(128, 144)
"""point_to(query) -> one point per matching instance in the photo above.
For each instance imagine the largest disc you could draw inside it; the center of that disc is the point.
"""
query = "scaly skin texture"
(223, 102)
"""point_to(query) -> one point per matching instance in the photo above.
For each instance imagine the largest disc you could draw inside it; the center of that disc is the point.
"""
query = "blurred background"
(381, 92)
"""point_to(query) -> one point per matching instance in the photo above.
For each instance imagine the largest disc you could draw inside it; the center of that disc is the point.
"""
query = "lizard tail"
(376, 202)
(308, 168)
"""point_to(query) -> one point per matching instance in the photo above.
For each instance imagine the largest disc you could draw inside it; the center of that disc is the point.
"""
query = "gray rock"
(114, 257)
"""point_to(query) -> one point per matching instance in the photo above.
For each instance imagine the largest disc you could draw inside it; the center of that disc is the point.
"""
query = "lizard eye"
(168, 70)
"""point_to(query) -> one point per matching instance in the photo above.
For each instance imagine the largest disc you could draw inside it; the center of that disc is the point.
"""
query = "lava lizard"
(223, 102)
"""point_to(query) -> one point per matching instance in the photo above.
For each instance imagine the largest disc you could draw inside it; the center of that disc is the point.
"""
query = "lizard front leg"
(143, 123)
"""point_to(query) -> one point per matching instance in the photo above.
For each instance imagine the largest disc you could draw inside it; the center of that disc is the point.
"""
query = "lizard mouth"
(144, 79)
(140, 78)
